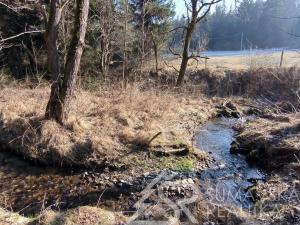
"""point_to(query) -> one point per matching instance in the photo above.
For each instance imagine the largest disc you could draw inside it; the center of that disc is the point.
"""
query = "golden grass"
(9, 218)
(80, 216)
(103, 125)
(250, 61)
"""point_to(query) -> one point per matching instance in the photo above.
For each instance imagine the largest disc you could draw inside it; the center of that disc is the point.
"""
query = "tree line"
(119, 33)
(248, 24)
(49, 37)
(146, 21)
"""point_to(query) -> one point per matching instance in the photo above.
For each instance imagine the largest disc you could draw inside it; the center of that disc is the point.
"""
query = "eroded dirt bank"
(273, 142)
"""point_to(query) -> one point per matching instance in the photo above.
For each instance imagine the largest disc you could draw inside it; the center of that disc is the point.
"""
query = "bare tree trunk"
(155, 49)
(53, 57)
(62, 92)
(125, 46)
(156, 59)
(197, 10)
(51, 40)
(143, 38)
(185, 56)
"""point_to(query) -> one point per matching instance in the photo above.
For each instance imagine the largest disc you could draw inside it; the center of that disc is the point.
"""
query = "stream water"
(28, 188)
(230, 177)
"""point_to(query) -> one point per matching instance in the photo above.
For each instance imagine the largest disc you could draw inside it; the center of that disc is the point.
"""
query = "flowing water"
(230, 177)
(28, 188)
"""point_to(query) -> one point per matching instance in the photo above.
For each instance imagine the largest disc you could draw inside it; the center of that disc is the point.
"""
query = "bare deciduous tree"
(197, 10)
(63, 86)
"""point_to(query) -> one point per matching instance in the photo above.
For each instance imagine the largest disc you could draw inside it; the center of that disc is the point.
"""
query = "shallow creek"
(227, 181)
(28, 188)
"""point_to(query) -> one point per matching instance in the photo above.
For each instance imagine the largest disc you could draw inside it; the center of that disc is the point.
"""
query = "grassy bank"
(272, 141)
(104, 126)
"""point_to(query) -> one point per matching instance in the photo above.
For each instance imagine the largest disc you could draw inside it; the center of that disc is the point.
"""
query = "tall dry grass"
(103, 124)
(272, 84)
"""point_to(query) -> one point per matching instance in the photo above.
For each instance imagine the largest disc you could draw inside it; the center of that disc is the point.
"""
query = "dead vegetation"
(272, 141)
(103, 125)
(272, 83)
(79, 216)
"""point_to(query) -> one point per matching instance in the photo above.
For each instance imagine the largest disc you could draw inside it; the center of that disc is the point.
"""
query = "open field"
(246, 61)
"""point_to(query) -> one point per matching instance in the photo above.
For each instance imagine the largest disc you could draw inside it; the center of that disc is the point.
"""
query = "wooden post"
(281, 59)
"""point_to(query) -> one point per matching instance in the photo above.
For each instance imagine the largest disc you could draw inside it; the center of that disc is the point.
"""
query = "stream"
(231, 175)
(28, 188)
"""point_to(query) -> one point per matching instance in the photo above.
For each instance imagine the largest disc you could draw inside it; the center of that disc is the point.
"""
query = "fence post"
(281, 59)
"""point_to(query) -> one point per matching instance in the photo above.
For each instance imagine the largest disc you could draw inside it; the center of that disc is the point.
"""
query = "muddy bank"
(27, 188)
(273, 141)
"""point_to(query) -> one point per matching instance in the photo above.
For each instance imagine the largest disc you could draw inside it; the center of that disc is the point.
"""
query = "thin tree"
(197, 10)
(63, 87)
(124, 69)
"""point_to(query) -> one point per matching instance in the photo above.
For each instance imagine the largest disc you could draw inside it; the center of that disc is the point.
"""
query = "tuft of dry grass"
(9, 218)
(273, 141)
(103, 125)
(82, 215)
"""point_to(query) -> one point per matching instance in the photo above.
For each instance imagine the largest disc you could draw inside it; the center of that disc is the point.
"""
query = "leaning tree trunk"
(185, 55)
(53, 57)
(63, 89)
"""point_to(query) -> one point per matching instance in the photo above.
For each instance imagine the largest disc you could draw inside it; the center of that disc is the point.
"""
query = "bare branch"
(198, 57)
(174, 53)
(65, 4)
(9, 7)
(207, 10)
(21, 34)
(176, 28)
(171, 66)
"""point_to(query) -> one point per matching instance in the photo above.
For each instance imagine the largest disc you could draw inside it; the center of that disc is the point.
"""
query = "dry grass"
(80, 216)
(273, 141)
(250, 61)
(276, 84)
(103, 125)
(9, 218)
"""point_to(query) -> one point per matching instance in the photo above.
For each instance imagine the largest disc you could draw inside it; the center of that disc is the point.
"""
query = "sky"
(180, 8)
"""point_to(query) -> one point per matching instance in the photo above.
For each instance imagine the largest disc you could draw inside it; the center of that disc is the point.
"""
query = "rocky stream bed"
(28, 189)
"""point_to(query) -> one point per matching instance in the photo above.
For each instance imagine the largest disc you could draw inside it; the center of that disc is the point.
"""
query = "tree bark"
(125, 46)
(62, 90)
(155, 49)
(185, 55)
(194, 8)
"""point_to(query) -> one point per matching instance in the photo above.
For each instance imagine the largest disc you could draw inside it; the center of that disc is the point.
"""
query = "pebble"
(190, 181)
(296, 183)
(296, 209)
(146, 174)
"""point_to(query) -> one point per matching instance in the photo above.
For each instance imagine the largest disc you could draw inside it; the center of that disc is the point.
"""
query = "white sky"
(180, 8)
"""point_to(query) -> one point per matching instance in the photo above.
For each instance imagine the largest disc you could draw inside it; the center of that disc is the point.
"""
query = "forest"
(128, 112)
(225, 28)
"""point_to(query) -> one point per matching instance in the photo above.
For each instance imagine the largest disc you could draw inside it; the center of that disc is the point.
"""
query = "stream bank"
(27, 187)
(118, 186)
